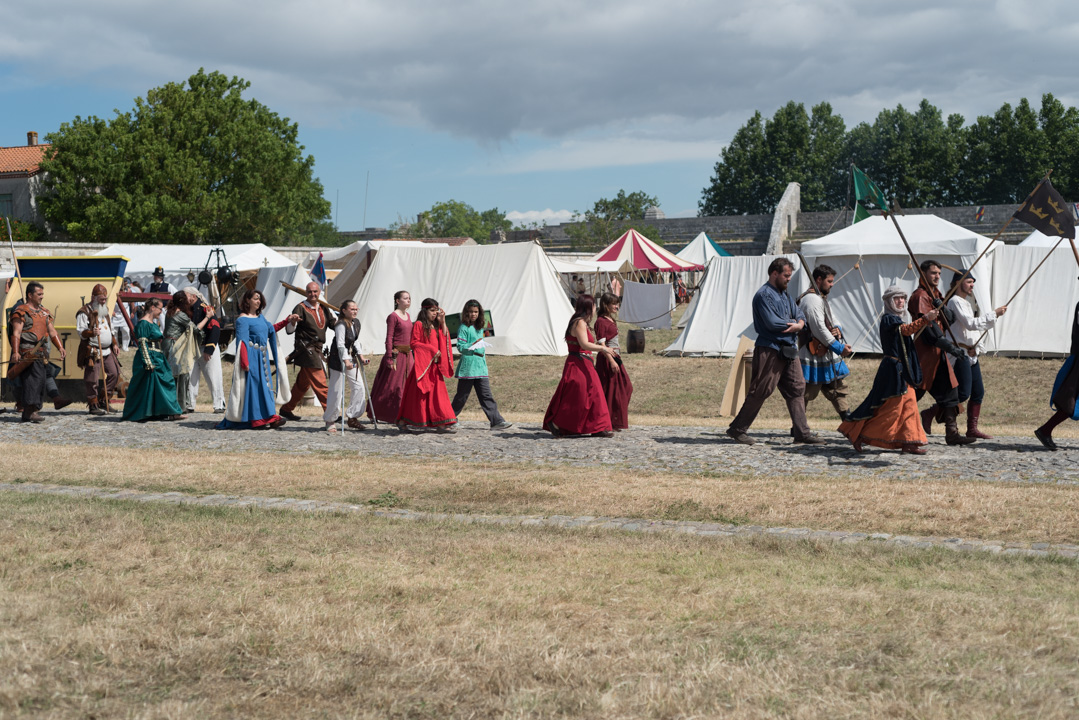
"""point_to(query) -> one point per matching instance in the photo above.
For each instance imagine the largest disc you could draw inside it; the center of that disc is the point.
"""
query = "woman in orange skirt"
(889, 418)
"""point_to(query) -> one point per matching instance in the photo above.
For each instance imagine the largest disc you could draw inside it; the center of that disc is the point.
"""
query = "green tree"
(608, 219)
(193, 162)
(453, 218)
(764, 156)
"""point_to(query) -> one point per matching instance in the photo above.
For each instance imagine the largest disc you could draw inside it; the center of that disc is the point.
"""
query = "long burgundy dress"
(617, 388)
(389, 385)
(425, 403)
(578, 406)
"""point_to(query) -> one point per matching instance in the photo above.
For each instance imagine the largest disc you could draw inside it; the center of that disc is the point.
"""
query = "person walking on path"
(777, 320)
(310, 331)
(151, 394)
(968, 328)
(888, 417)
(345, 362)
(945, 369)
(388, 386)
(471, 370)
(578, 406)
(1065, 391)
(425, 403)
(822, 355)
(613, 378)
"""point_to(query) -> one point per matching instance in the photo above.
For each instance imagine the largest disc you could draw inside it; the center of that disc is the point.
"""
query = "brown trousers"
(772, 370)
(314, 378)
(90, 375)
(834, 392)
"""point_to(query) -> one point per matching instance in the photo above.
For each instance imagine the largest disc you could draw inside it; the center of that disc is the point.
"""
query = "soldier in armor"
(31, 331)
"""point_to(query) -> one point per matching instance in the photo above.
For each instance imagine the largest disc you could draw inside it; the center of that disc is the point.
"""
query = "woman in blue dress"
(151, 394)
(251, 400)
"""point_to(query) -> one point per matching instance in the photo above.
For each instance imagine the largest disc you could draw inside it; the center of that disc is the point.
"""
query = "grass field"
(112, 610)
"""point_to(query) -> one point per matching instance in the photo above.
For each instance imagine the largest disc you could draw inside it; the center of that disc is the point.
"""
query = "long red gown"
(578, 406)
(425, 402)
(617, 388)
(389, 384)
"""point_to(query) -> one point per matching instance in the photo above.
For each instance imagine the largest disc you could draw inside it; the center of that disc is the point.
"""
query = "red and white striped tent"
(642, 254)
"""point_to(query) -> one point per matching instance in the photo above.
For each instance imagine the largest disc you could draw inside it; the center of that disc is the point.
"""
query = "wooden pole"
(14, 259)
(303, 292)
(914, 260)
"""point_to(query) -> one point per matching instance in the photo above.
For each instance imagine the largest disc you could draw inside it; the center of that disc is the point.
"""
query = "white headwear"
(192, 290)
(890, 295)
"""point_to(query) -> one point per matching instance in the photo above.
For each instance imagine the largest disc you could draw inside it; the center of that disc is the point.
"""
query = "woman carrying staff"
(425, 403)
(389, 384)
(344, 362)
(968, 328)
(578, 406)
(251, 399)
(183, 340)
(889, 418)
(151, 394)
(614, 379)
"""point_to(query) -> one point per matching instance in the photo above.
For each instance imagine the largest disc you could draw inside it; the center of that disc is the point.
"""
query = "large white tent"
(515, 281)
(869, 256)
(355, 263)
(724, 305)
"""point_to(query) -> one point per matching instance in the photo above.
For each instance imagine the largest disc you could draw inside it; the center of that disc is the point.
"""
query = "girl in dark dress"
(889, 418)
(578, 406)
(389, 384)
(617, 388)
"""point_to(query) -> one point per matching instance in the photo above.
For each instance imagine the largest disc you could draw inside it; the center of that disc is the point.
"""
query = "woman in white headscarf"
(888, 418)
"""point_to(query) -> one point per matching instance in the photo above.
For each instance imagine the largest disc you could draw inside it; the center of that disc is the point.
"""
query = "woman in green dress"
(151, 394)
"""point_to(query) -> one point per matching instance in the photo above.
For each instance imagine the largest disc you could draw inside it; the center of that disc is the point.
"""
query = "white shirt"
(968, 328)
(82, 324)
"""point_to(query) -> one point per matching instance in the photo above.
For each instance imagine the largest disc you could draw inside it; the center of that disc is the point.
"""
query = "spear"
(914, 260)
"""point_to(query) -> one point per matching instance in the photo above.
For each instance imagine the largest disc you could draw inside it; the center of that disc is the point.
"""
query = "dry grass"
(119, 610)
(945, 507)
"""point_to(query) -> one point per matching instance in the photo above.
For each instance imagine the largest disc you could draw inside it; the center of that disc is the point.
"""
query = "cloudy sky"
(537, 108)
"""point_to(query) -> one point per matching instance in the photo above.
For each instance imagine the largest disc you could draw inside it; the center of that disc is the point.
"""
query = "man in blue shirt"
(777, 321)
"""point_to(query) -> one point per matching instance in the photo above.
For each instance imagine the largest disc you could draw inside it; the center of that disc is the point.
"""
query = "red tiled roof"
(21, 160)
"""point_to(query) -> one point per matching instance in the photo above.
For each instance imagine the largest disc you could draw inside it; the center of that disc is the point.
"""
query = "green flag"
(860, 213)
(866, 189)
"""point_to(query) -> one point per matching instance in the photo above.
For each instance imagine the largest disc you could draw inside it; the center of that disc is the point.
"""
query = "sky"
(538, 109)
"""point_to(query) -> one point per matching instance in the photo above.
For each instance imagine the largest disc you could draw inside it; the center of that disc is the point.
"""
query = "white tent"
(177, 260)
(356, 262)
(515, 281)
(1039, 319)
(700, 251)
(869, 256)
(724, 308)
(1040, 239)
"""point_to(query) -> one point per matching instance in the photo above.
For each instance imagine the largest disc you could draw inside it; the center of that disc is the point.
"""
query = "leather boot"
(29, 414)
(973, 412)
(927, 418)
(96, 409)
(60, 402)
(951, 429)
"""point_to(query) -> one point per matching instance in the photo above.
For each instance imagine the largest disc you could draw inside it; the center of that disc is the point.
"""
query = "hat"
(958, 275)
(99, 289)
(159, 271)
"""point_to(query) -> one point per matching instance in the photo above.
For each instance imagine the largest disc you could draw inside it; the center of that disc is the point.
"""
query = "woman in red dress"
(614, 379)
(578, 406)
(389, 384)
(425, 403)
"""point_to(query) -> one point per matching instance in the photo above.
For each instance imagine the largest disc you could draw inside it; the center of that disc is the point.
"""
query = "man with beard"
(31, 331)
(160, 285)
(945, 368)
(822, 354)
(310, 331)
(97, 349)
(209, 362)
(777, 320)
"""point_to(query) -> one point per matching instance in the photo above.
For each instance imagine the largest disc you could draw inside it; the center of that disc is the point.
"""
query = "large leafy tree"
(609, 218)
(193, 162)
(454, 218)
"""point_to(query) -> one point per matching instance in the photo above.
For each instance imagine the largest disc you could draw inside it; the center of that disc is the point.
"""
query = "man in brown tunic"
(939, 374)
(310, 331)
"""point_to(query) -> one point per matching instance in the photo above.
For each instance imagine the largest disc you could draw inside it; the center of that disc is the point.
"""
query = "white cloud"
(525, 218)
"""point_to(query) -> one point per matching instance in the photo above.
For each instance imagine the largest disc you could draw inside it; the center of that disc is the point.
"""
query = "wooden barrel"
(635, 341)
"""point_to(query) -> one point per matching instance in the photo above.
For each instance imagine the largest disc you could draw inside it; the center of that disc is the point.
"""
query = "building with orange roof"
(21, 179)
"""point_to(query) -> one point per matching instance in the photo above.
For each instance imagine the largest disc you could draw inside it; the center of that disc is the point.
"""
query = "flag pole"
(14, 259)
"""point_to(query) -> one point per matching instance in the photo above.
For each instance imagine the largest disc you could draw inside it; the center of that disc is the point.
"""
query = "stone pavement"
(612, 524)
(676, 449)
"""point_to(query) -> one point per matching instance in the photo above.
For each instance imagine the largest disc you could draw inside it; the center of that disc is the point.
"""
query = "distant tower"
(654, 213)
